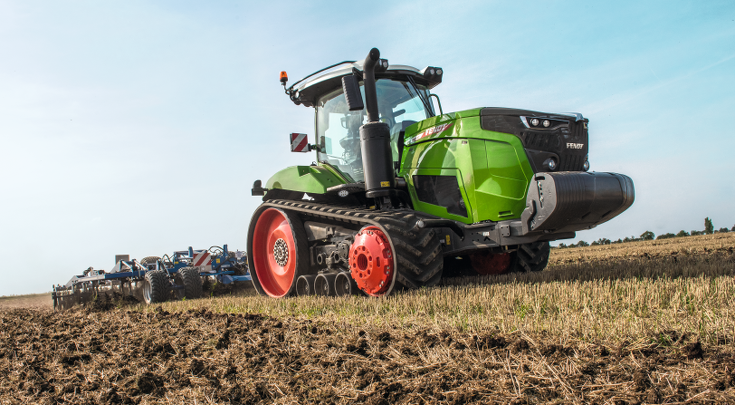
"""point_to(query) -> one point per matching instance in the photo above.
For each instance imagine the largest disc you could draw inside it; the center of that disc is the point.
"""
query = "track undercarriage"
(306, 248)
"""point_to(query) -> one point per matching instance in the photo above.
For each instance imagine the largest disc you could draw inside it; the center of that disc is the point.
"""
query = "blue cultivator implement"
(155, 279)
(217, 263)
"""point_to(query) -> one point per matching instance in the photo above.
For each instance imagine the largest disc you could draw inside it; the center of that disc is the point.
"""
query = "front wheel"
(277, 251)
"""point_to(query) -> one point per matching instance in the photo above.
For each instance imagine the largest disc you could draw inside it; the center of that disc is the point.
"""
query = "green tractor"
(400, 191)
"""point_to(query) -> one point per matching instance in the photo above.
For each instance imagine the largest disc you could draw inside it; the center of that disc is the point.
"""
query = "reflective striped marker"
(299, 143)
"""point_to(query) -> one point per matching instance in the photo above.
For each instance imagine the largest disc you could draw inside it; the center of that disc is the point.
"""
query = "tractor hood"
(561, 137)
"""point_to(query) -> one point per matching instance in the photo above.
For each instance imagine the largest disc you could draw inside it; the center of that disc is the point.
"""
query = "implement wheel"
(156, 287)
(278, 251)
(192, 282)
(149, 260)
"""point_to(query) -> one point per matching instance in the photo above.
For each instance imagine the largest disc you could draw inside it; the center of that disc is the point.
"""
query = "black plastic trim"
(567, 141)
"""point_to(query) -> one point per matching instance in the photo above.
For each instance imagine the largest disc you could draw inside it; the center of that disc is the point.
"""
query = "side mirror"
(352, 93)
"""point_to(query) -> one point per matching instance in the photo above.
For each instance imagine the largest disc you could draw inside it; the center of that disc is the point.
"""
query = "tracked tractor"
(400, 188)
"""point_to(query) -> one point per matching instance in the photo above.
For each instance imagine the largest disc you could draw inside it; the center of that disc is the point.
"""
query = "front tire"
(277, 251)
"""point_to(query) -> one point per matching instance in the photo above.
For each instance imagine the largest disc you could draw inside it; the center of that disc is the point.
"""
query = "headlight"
(550, 164)
(543, 123)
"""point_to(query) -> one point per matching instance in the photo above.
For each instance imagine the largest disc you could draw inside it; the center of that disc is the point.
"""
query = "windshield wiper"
(424, 100)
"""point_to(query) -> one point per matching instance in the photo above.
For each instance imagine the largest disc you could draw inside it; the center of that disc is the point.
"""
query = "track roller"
(344, 284)
(324, 284)
(305, 285)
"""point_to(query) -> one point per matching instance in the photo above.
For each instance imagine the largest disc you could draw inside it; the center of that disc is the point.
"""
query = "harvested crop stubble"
(606, 301)
(690, 245)
(651, 323)
(201, 357)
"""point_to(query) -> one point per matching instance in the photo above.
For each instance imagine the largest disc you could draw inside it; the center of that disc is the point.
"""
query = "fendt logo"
(571, 145)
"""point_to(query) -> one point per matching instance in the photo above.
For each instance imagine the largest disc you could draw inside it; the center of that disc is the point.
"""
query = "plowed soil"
(89, 356)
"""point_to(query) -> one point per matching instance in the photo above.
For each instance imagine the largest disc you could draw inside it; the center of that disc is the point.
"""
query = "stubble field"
(643, 322)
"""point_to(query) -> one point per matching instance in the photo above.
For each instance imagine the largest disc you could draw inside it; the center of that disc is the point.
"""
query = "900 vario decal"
(428, 132)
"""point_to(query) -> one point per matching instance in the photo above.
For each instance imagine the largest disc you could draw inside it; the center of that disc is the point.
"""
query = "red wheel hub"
(487, 263)
(371, 261)
(274, 253)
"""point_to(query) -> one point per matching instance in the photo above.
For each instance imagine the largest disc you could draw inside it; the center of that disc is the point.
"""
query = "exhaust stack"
(377, 158)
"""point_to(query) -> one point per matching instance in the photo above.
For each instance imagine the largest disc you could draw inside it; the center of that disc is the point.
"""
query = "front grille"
(442, 191)
(542, 140)
(570, 162)
(542, 143)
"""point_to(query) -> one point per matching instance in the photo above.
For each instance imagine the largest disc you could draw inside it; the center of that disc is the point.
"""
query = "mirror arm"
(441, 111)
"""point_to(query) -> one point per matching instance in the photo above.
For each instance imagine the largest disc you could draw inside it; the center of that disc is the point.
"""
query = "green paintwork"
(307, 179)
(491, 167)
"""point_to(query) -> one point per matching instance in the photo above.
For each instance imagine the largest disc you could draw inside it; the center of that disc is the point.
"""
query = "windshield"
(338, 128)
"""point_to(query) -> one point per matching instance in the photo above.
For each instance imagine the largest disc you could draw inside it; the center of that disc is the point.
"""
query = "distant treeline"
(709, 229)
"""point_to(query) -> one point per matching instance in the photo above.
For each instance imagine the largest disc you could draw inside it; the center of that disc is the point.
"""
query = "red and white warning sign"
(202, 259)
(299, 143)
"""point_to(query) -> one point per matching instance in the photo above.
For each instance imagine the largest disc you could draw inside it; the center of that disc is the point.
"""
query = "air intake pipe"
(377, 158)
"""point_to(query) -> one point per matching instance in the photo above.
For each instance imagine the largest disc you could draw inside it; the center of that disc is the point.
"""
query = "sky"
(138, 127)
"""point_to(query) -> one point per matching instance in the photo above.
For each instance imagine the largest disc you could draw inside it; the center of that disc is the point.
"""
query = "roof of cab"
(307, 90)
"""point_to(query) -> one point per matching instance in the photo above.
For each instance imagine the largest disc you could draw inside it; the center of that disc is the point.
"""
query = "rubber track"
(418, 251)
(532, 257)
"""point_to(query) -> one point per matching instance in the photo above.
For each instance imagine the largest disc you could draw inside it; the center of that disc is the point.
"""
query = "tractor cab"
(404, 98)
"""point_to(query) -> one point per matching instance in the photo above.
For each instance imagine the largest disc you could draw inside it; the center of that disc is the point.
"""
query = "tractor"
(400, 189)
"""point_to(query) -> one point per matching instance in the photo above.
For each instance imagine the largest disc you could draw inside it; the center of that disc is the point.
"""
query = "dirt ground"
(90, 356)
(113, 353)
